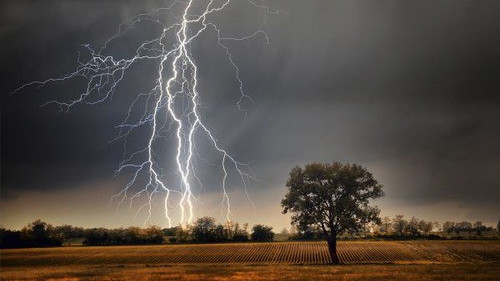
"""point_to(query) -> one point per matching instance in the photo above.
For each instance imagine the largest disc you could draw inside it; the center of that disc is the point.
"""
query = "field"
(374, 260)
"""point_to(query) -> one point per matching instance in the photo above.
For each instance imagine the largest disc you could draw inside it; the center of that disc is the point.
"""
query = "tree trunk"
(332, 248)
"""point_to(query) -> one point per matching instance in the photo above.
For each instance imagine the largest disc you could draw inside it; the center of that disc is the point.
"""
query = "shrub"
(262, 233)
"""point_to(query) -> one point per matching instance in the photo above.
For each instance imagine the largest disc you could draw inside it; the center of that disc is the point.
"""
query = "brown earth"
(372, 260)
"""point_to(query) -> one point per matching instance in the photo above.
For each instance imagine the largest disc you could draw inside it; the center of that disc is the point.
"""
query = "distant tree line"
(35, 234)
(398, 227)
(460, 227)
(123, 236)
(204, 230)
(42, 234)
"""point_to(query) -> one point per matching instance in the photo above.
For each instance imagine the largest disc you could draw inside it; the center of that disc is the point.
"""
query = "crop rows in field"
(259, 253)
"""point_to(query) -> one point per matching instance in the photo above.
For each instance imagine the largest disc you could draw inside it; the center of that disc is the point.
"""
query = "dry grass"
(412, 260)
(416, 272)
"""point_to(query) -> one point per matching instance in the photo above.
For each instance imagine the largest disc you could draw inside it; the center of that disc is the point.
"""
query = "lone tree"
(333, 197)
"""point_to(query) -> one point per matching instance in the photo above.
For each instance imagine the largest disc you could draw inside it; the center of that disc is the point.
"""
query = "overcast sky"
(408, 89)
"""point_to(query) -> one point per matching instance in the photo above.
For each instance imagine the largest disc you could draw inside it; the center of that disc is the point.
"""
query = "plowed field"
(364, 260)
(259, 253)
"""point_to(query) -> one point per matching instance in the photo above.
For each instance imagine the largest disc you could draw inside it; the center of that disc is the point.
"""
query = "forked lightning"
(171, 106)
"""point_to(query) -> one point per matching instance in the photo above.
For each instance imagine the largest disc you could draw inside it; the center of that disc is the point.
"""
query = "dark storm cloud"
(411, 87)
(41, 149)
(407, 88)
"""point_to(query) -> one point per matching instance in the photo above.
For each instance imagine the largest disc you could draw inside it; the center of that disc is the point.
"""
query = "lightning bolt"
(170, 108)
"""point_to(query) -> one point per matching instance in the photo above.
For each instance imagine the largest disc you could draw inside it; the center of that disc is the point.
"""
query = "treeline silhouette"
(207, 230)
(204, 230)
(35, 234)
(398, 227)
(42, 234)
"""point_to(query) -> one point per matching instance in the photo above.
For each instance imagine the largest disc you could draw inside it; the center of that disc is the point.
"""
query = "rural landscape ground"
(361, 260)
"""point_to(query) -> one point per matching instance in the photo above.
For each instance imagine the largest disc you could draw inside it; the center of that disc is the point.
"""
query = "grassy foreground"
(416, 272)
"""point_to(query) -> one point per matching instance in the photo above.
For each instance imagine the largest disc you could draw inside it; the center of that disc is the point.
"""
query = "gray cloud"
(409, 89)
